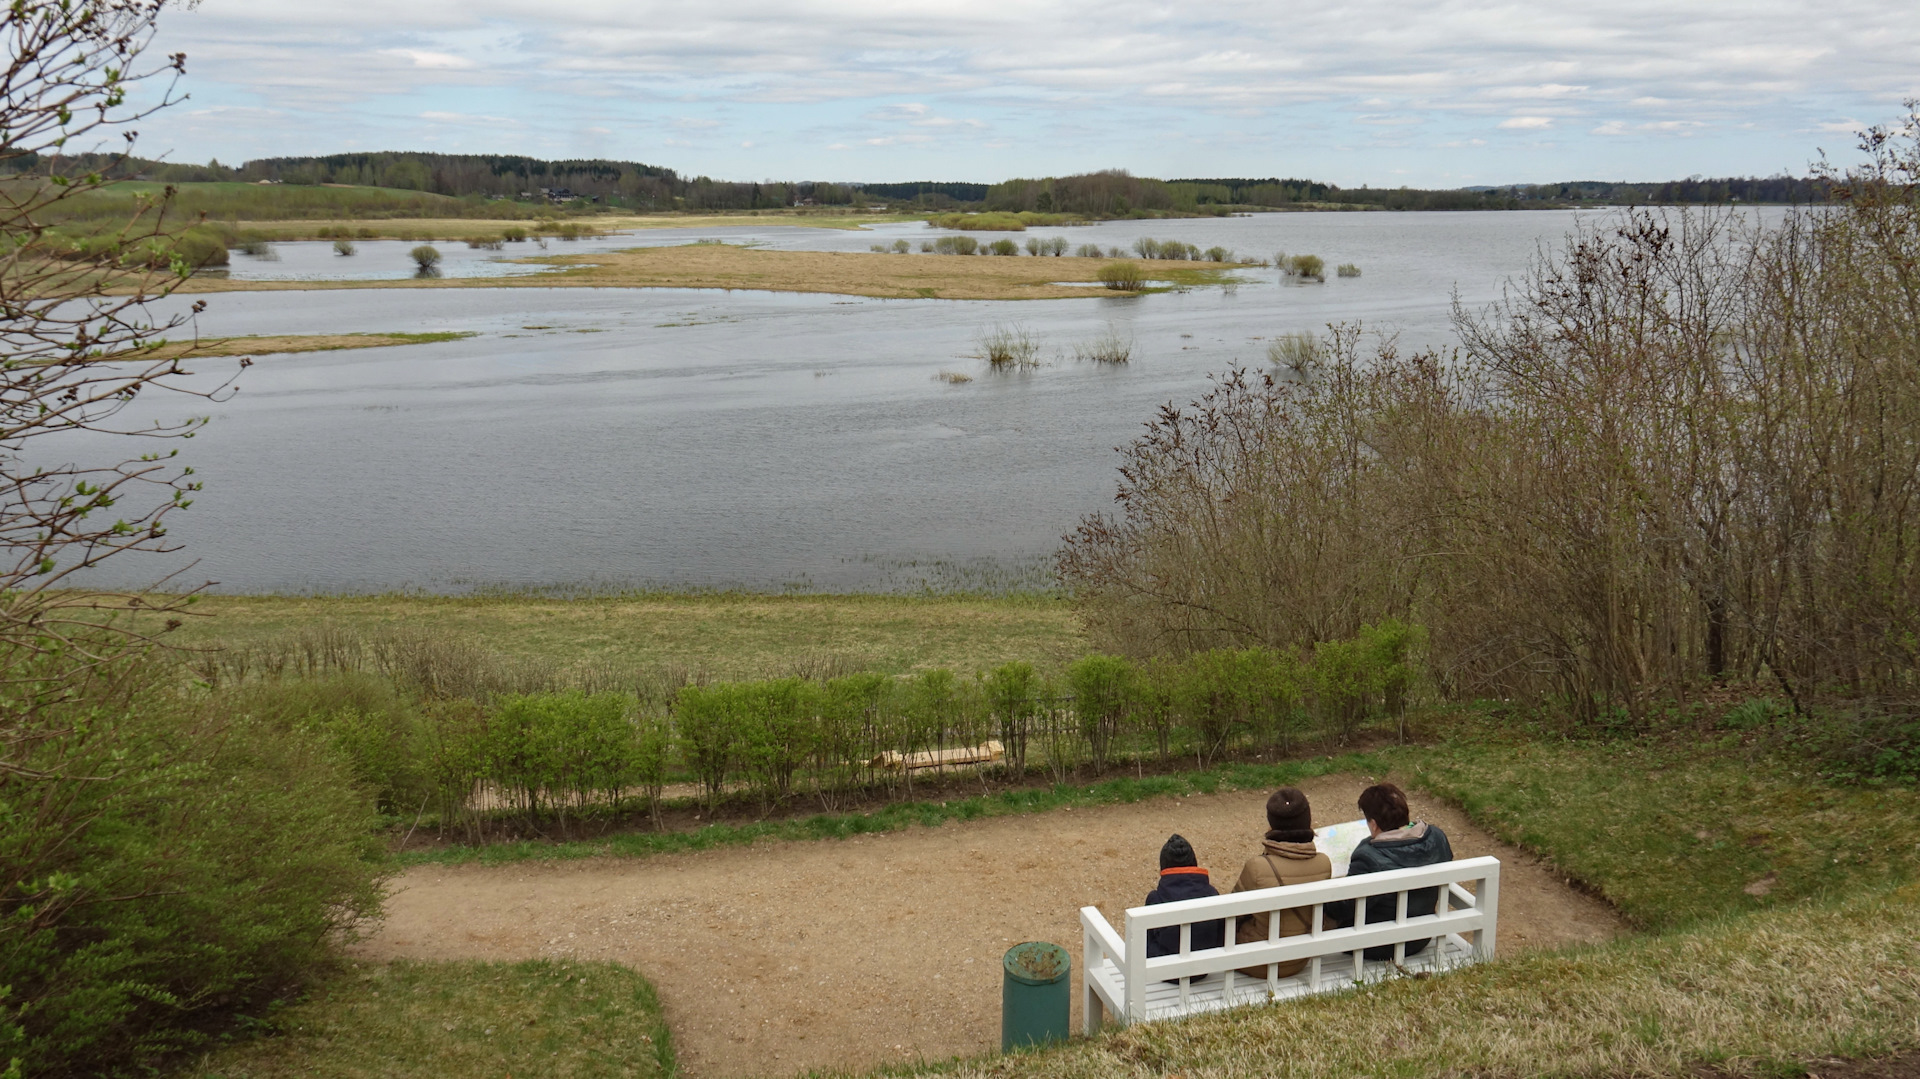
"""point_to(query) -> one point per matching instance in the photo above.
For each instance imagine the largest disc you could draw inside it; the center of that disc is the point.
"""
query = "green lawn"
(561, 1019)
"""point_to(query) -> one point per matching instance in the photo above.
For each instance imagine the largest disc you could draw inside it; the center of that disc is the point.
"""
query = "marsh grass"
(259, 249)
(344, 246)
(953, 378)
(437, 1020)
(1347, 269)
(1008, 345)
(1111, 346)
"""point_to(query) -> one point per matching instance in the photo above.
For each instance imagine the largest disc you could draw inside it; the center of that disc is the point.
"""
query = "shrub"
(1347, 269)
(1307, 267)
(1004, 247)
(1057, 246)
(563, 750)
(259, 249)
(207, 873)
(776, 733)
(707, 722)
(1089, 251)
(1219, 254)
(1009, 346)
(880, 249)
(514, 235)
(485, 243)
(926, 247)
(1102, 695)
(901, 247)
(1122, 277)
(1010, 692)
(1036, 246)
(956, 245)
(427, 257)
(343, 247)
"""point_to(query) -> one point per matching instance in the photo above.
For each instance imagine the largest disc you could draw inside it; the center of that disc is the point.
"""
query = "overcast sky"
(1427, 93)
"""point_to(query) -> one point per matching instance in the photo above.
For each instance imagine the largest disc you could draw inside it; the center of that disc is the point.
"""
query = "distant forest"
(1110, 193)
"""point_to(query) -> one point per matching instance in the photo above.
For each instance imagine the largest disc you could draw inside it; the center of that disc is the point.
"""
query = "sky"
(1436, 93)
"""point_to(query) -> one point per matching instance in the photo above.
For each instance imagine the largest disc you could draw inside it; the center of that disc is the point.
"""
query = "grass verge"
(726, 634)
(844, 273)
(1756, 995)
(566, 1019)
(1671, 831)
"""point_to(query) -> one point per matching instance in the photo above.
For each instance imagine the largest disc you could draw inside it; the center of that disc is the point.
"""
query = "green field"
(726, 635)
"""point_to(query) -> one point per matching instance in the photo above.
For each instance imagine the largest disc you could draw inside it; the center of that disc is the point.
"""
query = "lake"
(602, 439)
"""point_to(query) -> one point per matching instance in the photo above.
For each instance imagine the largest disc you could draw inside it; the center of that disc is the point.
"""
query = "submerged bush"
(343, 247)
(1009, 346)
(1306, 267)
(427, 257)
(1299, 351)
(956, 245)
(1347, 269)
(1089, 251)
(1111, 346)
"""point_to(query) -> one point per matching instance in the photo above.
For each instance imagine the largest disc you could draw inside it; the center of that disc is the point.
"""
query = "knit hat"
(1287, 811)
(1177, 852)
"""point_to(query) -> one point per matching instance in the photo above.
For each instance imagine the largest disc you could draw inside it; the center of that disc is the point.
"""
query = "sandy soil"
(781, 957)
(845, 273)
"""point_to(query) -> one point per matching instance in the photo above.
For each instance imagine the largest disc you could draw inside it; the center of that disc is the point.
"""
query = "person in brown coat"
(1287, 856)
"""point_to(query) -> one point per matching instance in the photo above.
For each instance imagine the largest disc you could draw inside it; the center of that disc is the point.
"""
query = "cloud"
(433, 61)
(1058, 83)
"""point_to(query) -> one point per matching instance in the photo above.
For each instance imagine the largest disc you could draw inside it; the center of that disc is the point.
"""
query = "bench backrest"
(1472, 915)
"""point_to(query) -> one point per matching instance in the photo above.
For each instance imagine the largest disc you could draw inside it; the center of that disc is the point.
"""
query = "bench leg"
(1093, 1013)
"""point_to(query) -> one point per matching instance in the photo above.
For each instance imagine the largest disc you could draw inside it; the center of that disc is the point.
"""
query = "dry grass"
(726, 635)
(724, 266)
(275, 344)
(441, 1020)
(1750, 995)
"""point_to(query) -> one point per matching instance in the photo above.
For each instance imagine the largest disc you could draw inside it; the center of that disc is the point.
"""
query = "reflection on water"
(603, 438)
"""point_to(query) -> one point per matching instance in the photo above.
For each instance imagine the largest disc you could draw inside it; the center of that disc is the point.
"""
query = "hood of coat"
(1297, 851)
(1415, 845)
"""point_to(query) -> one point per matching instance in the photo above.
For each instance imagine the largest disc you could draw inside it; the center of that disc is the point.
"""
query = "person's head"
(1176, 852)
(1385, 806)
(1289, 817)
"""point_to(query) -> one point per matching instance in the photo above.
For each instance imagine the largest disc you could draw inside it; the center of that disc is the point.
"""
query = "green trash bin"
(1035, 994)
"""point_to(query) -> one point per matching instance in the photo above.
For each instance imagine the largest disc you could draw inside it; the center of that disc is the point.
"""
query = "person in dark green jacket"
(1395, 842)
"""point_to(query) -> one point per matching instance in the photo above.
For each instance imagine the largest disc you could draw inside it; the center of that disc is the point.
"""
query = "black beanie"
(1177, 852)
(1287, 811)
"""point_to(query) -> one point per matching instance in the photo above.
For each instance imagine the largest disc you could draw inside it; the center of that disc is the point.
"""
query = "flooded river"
(601, 438)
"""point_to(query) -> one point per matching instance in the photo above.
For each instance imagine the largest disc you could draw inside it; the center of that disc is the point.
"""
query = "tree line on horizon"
(1100, 194)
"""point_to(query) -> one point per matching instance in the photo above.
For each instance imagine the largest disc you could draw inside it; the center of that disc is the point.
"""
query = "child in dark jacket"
(1181, 878)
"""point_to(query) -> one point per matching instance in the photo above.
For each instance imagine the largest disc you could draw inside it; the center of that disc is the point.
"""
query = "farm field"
(726, 635)
(846, 273)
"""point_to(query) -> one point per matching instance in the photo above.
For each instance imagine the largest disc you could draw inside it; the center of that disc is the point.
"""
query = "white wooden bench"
(1122, 982)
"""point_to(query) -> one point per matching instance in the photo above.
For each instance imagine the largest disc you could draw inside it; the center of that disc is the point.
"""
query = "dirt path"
(781, 957)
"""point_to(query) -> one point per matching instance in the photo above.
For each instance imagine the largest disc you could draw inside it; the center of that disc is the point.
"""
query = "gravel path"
(780, 957)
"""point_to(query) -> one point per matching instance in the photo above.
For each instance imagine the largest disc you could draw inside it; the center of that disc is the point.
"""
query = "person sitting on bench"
(1394, 843)
(1287, 856)
(1182, 878)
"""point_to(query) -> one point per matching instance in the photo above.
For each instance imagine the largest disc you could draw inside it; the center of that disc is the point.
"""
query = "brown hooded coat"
(1277, 865)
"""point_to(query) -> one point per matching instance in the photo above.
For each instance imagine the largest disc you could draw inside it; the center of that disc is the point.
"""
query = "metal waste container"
(1035, 994)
